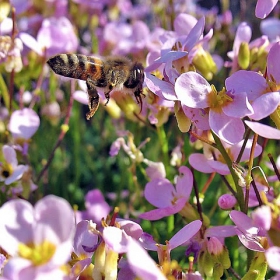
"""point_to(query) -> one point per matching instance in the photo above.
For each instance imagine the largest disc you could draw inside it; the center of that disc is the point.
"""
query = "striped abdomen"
(77, 66)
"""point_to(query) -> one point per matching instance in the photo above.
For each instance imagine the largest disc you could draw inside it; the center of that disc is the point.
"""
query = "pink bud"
(226, 201)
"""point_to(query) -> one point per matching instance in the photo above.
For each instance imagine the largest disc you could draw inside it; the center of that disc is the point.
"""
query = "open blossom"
(38, 240)
(24, 123)
(10, 171)
(262, 92)
(96, 207)
(225, 109)
(55, 36)
(126, 38)
(172, 199)
(114, 241)
(248, 233)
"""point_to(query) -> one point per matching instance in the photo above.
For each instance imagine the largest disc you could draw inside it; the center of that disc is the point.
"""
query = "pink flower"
(10, 171)
(227, 201)
(225, 109)
(126, 38)
(38, 239)
(24, 123)
(96, 207)
(172, 199)
(84, 238)
(247, 232)
(262, 92)
(115, 241)
(56, 35)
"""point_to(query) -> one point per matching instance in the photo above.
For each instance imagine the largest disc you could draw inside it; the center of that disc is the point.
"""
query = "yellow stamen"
(217, 100)
(39, 254)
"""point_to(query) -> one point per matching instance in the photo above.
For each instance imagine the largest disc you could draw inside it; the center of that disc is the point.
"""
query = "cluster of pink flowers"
(228, 102)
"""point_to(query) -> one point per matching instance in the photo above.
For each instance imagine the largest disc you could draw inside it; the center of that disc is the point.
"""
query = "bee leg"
(137, 94)
(93, 100)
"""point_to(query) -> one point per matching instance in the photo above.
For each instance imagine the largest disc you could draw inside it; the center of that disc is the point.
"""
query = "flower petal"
(243, 222)
(265, 105)
(273, 257)
(273, 68)
(10, 155)
(161, 88)
(84, 237)
(146, 268)
(116, 239)
(184, 182)
(192, 90)
(230, 130)
(200, 163)
(264, 130)
(24, 123)
(15, 224)
(264, 8)
(240, 108)
(55, 220)
(157, 214)
(162, 186)
(184, 234)
(238, 82)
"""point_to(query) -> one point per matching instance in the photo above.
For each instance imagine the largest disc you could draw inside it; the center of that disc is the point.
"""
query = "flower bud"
(227, 201)
(5, 8)
(214, 246)
(224, 259)
(204, 63)
(207, 262)
(184, 123)
(244, 55)
(218, 271)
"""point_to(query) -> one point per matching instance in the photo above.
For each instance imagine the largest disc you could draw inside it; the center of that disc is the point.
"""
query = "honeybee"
(110, 73)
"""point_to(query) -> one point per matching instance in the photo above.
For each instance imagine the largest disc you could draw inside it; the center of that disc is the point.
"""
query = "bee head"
(138, 72)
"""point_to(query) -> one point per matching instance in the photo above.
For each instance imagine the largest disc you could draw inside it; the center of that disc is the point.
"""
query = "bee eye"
(137, 73)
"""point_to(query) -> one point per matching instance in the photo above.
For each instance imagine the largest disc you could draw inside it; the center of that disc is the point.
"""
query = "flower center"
(38, 254)
(272, 85)
(6, 170)
(217, 100)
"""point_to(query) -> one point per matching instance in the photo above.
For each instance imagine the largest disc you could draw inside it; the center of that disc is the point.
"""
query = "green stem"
(164, 147)
(239, 193)
(4, 92)
(170, 225)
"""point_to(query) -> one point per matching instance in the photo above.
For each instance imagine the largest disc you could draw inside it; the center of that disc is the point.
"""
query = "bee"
(109, 73)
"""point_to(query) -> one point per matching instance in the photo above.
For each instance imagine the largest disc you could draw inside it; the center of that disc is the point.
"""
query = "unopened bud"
(227, 201)
(205, 64)
(244, 55)
(184, 123)
(218, 271)
(214, 246)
